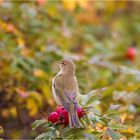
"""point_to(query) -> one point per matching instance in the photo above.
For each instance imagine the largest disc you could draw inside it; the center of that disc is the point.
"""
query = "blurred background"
(102, 37)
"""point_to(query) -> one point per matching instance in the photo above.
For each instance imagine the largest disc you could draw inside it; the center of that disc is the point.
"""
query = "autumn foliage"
(102, 37)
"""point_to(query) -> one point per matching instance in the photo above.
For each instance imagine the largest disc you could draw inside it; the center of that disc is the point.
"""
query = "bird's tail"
(74, 120)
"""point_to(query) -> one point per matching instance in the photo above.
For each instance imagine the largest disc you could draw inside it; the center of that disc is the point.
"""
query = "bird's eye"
(63, 63)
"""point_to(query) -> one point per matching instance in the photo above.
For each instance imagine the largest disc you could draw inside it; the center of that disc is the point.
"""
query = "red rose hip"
(53, 117)
(131, 53)
(60, 109)
(80, 112)
(64, 114)
(66, 117)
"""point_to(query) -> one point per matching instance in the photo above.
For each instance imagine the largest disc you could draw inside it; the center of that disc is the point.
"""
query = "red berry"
(60, 109)
(53, 117)
(65, 116)
(80, 112)
(131, 53)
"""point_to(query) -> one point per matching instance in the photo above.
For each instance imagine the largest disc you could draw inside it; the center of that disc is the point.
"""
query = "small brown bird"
(65, 90)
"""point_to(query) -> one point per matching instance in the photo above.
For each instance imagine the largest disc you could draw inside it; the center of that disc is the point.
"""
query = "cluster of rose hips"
(61, 115)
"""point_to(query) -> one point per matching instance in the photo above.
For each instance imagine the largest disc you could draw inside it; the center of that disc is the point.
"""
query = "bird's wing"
(66, 97)
(57, 100)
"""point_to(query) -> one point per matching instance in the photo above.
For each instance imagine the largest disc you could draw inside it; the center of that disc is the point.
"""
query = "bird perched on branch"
(65, 90)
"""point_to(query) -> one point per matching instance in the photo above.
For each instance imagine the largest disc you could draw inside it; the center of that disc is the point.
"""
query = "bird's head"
(67, 66)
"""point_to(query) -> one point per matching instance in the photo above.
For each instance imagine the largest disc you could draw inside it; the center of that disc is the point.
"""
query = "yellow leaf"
(36, 97)
(38, 73)
(122, 4)
(20, 42)
(130, 129)
(69, 4)
(47, 93)
(33, 103)
(33, 111)
(13, 112)
(1, 130)
(82, 3)
(123, 117)
(110, 6)
(32, 107)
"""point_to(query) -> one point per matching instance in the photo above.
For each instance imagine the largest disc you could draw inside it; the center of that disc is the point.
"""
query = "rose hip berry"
(80, 112)
(54, 117)
(131, 53)
(60, 109)
(63, 114)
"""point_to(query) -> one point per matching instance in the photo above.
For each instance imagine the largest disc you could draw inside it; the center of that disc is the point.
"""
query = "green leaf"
(95, 111)
(65, 131)
(38, 123)
(73, 133)
(126, 70)
(87, 120)
(115, 126)
(83, 123)
(91, 118)
(93, 100)
(47, 125)
(113, 107)
(115, 135)
(96, 119)
(96, 134)
(50, 134)
(43, 136)
(114, 117)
